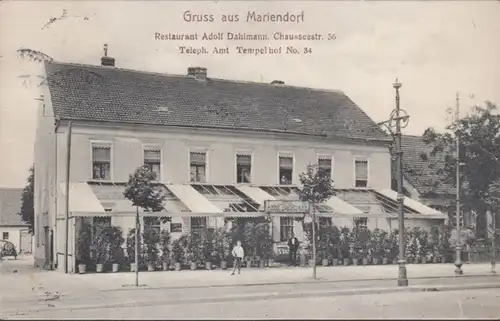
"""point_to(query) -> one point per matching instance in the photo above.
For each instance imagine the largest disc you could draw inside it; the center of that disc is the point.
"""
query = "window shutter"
(152, 155)
(361, 168)
(243, 159)
(286, 162)
(101, 153)
(197, 158)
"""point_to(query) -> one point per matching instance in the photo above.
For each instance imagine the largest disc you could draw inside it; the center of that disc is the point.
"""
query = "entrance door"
(26, 245)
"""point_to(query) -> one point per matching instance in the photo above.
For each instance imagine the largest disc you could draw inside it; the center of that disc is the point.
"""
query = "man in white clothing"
(238, 254)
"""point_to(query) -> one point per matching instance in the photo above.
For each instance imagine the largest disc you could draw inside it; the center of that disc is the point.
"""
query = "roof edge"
(166, 74)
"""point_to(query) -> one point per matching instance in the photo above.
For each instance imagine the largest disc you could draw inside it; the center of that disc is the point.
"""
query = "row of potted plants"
(361, 246)
(106, 248)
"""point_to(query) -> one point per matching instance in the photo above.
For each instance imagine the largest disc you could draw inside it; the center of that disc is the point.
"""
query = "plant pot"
(424, 260)
(164, 266)
(376, 261)
(193, 266)
(365, 261)
(311, 262)
(178, 266)
(355, 261)
(99, 268)
(395, 261)
(248, 264)
(262, 264)
(151, 267)
(324, 262)
(132, 267)
(346, 262)
(335, 262)
(223, 265)
(208, 265)
(115, 267)
(385, 261)
(82, 268)
(435, 259)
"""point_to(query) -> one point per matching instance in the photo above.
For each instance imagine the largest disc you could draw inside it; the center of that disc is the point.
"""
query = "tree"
(144, 193)
(479, 136)
(316, 187)
(27, 212)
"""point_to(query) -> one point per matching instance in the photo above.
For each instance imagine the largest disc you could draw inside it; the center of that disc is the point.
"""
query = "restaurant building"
(220, 148)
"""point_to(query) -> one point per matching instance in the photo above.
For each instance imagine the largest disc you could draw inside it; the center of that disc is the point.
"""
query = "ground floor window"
(153, 222)
(99, 222)
(286, 228)
(360, 222)
(325, 222)
(5, 235)
(198, 223)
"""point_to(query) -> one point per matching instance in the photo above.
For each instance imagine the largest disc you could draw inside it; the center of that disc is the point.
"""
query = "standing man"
(293, 246)
(238, 254)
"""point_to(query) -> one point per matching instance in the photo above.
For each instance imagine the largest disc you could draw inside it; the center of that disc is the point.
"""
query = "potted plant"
(208, 240)
(151, 240)
(116, 240)
(131, 249)
(83, 243)
(264, 243)
(178, 252)
(102, 243)
(377, 243)
(222, 247)
(165, 239)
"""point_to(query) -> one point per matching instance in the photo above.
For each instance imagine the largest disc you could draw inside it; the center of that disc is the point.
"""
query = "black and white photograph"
(227, 159)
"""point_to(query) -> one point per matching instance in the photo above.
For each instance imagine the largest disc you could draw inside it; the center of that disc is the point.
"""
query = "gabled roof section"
(420, 166)
(109, 94)
(10, 206)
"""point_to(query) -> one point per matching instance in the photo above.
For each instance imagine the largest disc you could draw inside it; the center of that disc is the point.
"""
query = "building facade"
(220, 150)
(12, 228)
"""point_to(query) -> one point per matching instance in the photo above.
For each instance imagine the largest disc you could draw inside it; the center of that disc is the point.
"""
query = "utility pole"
(137, 230)
(493, 243)
(402, 277)
(313, 215)
(66, 216)
(458, 259)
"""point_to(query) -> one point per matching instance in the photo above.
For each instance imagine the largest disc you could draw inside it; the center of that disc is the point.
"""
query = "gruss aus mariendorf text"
(251, 16)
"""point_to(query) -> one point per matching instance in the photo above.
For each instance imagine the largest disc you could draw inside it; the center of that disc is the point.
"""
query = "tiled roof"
(10, 205)
(420, 170)
(109, 94)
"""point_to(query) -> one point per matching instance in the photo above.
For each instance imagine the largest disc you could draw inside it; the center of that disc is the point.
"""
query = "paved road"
(454, 304)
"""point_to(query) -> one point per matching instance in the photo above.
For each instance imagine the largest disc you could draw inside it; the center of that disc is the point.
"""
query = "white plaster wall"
(14, 236)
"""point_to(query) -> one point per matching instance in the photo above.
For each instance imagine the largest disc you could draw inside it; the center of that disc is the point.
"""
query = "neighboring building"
(221, 148)
(420, 177)
(12, 228)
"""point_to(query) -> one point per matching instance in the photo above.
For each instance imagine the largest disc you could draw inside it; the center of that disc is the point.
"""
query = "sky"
(434, 48)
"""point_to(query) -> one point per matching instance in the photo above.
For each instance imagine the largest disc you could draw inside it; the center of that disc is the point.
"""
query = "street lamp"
(399, 119)
(458, 249)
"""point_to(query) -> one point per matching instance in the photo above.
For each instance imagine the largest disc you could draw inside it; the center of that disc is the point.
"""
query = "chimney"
(199, 73)
(277, 82)
(105, 60)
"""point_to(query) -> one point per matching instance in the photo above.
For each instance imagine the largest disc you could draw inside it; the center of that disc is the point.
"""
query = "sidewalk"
(36, 280)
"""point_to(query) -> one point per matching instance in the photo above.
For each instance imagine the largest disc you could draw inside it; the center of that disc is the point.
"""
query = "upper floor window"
(286, 170)
(152, 160)
(198, 166)
(101, 161)
(243, 168)
(361, 173)
(5, 235)
(325, 166)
